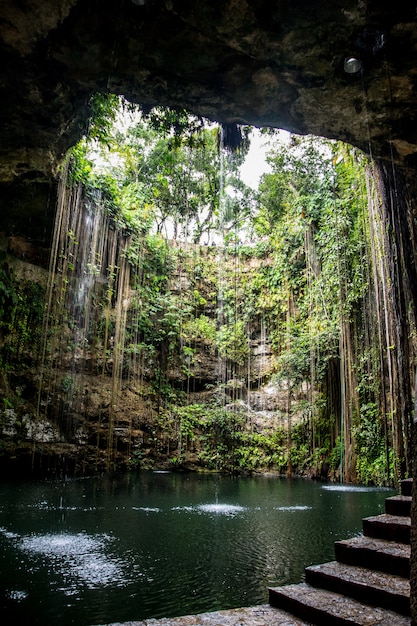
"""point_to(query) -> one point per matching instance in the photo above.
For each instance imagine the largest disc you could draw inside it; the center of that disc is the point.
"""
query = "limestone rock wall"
(251, 62)
(254, 62)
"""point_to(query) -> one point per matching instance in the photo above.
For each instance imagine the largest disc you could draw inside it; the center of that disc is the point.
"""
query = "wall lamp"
(352, 65)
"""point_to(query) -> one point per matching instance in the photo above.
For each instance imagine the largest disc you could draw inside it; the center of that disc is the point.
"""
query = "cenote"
(159, 544)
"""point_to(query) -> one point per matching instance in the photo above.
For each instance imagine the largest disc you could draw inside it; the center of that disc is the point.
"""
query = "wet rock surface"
(365, 577)
(254, 62)
(263, 615)
(342, 609)
(361, 588)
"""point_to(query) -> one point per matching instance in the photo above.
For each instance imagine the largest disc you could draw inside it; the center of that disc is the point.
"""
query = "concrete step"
(406, 486)
(378, 554)
(390, 527)
(375, 588)
(326, 608)
(398, 505)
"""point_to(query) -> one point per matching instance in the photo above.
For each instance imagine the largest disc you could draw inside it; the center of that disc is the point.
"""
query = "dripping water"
(221, 261)
(88, 274)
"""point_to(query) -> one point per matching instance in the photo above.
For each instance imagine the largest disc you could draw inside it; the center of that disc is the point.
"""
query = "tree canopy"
(215, 265)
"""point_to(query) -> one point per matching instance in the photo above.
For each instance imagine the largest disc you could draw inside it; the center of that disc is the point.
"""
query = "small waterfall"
(87, 304)
(117, 356)
(227, 306)
(221, 360)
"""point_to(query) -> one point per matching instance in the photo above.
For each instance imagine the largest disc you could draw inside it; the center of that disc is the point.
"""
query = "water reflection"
(353, 488)
(292, 508)
(147, 509)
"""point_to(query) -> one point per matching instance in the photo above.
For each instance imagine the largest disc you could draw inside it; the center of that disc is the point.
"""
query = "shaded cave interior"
(246, 63)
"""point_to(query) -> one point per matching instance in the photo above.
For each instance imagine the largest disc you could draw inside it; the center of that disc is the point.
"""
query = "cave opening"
(255, 334)
(248, 62)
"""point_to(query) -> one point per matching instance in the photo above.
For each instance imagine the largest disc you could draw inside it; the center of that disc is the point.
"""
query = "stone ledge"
(327, 607)
(263, 615)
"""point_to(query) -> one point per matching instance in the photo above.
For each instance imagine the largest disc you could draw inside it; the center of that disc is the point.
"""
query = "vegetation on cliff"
(200, 323)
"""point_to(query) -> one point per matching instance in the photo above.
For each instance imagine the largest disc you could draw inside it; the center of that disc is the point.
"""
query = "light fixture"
(140, 3)
(352, 65)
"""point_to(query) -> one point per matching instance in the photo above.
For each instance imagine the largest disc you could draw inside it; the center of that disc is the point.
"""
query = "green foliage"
(21, 319)
(199, 329)
(9, 296)
(301, 277)
(104, 108)
(376, 471)
(233, 343)
(178, 126)
(135, 460)
(227, 444)
(67, 384)
(7, 404)
(374, 460)
(80, 165)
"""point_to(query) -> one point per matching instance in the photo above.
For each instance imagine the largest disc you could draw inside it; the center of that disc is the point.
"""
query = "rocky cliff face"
(345, 69)
(250, 62)
(72, 403)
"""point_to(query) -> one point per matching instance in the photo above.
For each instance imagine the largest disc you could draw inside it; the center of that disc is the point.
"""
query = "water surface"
(100, 550)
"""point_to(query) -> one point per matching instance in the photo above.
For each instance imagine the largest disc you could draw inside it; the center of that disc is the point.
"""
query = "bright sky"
(255, 164)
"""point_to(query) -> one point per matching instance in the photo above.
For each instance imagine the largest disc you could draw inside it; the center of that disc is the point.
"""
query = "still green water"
(101, 550)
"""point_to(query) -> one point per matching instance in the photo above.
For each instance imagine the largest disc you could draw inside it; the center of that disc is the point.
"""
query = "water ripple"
(293, 508)
(46, 506)
(183, 508)
(353, 488)
(221, 509)
(147, 509)
(16, 594)
(80, 557)
(8, 534)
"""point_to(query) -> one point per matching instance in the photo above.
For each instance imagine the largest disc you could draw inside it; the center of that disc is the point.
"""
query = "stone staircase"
(368, 583)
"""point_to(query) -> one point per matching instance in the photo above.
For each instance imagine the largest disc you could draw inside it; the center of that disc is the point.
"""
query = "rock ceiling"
(256, 62)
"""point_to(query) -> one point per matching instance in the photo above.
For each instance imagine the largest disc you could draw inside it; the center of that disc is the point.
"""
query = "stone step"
(398, 505)
(390, 527)
(326, 608)
(378, 554)
(406, 486)
(375, 588)
(260, 615)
